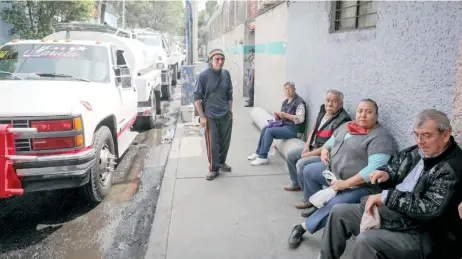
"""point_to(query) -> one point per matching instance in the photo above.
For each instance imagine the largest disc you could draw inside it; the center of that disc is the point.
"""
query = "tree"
(211, 7)
(165, 16)
(35, 19)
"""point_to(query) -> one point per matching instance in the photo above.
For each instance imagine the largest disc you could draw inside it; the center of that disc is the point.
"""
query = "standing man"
(214, 102)
(251, 81)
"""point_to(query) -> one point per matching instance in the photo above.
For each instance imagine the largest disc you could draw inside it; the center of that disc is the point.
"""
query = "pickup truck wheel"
(102, 171)
(158, 107)
(147, 123)
(166, 92)
(174, 75)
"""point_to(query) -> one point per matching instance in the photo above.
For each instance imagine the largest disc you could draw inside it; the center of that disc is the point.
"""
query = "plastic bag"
(370, 222)
(320, 198)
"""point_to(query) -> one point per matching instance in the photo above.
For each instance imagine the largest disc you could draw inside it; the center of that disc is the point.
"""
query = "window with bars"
(351, 15)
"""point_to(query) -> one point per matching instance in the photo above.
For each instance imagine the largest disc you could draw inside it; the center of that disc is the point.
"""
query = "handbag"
(274, 123)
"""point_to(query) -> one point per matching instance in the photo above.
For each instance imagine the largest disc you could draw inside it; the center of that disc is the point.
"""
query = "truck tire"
(102, 171)
(175, 75)
(158, 107)
(166, 92)
(145, 122)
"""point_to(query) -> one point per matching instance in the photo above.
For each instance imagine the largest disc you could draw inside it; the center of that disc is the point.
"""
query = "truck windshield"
(151, 40)
(50, 61)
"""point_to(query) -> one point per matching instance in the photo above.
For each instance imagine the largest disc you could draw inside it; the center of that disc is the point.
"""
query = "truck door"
(127, 90)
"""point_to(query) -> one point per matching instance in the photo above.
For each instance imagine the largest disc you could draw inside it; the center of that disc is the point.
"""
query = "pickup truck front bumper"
(56, 171)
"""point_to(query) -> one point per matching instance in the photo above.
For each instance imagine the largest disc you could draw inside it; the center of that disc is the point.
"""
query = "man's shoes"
(291, 188)
(306, 213)
(211, 175)
(295, 237)
(249, 105)
(225, 167)
(303, 205)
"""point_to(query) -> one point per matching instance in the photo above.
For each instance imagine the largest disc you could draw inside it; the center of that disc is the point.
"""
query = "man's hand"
(378, 176)
(460, 210)
(325, 156)
(339, 185)
(203, 121)
(376, 200)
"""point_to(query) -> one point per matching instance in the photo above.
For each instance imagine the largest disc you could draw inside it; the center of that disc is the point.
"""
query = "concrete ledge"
(260, 117)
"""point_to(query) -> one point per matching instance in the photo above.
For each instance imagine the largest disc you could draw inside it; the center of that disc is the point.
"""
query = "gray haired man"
(418, 207)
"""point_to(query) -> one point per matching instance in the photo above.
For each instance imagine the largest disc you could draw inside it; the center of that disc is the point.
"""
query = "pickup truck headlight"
(160, 65)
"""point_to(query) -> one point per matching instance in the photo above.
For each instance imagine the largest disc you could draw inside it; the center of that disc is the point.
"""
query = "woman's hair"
(373, 103)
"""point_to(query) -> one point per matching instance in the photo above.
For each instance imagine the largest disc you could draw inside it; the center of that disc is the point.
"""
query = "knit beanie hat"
(214, 52)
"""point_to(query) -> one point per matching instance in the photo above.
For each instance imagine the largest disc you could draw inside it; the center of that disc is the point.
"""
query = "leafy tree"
(165, 16)
(35, 19)
(204, 16)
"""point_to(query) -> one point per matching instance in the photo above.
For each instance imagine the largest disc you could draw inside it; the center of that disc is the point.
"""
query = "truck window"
(124, 75)
(151, 40)
(74, 61)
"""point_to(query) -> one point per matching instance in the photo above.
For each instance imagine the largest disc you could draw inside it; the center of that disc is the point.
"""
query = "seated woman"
(292, 113)
(355, 149)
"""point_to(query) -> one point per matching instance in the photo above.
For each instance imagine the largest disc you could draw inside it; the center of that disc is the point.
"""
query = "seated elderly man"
(292, 113)
(417, 209)
(330, 117)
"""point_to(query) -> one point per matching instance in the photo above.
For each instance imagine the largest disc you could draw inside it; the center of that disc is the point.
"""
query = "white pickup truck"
(169, 59)
(72, 104)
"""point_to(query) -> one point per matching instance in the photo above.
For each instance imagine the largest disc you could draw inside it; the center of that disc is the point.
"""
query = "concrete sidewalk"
(244, 214)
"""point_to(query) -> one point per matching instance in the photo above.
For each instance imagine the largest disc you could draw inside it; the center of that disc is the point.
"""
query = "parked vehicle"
(169, 61)
(70, 100)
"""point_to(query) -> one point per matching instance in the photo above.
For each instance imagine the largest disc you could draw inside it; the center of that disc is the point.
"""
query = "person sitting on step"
(292, 113)
(331, 115)
(355, 149)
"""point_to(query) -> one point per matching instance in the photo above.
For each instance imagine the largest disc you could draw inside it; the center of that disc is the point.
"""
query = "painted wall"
(407, 63)
(270, 59)
(456, 119)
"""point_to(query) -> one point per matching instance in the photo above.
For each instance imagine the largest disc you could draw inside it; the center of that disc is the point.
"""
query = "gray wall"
(407, 63)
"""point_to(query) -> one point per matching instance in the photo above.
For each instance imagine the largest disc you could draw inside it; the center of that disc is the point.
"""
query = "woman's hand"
(378, 176)
(325, 156)
(339, 185)
(276, 115)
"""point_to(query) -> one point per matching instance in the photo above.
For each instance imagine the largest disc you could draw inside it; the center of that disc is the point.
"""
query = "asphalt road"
(57, 224)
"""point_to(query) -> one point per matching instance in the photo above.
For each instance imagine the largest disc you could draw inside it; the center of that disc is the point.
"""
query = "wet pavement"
(58, 224)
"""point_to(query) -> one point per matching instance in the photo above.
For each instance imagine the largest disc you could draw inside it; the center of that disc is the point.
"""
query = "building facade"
(401, 54)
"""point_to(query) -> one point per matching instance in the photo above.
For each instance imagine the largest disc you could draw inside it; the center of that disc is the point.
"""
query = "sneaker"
(211, 175)
(259, 161)
(253, 156)
(225, 167)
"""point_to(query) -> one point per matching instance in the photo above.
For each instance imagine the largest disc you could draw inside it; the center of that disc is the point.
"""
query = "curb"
(158, 239)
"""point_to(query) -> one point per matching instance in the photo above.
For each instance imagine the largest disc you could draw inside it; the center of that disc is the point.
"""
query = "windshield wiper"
(10, 74)
(54, 75)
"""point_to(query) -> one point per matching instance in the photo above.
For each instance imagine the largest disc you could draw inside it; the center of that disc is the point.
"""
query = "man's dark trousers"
(344, 221)
(217, 138)
(251, 93)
